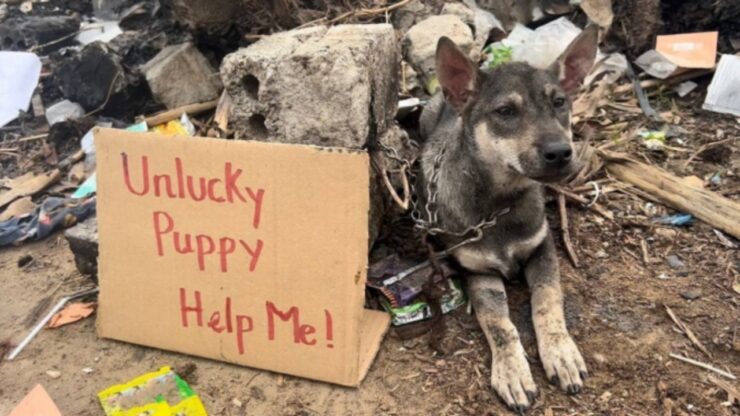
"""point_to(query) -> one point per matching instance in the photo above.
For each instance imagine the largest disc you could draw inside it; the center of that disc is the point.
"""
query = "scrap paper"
(689, 50)
(36, 403)
(72, 313)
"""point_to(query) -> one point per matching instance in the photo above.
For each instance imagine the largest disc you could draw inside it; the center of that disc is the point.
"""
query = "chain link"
(431, 208)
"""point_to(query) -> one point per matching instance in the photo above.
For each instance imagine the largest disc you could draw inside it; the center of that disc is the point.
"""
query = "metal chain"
(431, 226)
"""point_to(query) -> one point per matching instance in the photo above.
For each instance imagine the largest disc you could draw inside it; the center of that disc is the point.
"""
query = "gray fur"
(494, 130)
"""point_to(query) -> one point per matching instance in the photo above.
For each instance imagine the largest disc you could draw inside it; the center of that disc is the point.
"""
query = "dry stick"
(564, 230)
(107, 98)
(356, 13)
(173, 114)
(703, 149)
(704, 366)
(686, 330)
(708, 206)
(53, 42)
(577, 198)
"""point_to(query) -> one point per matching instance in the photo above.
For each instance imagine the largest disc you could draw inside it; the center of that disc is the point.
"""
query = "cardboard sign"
(247, 252)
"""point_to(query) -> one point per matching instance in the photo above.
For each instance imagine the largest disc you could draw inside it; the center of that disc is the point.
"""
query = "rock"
(54, 373)
(180, 75)
(460, 10)
(420, 42)
(691, 294)
(208, 16)
(410, 14)
(83, 241)
(24, 260)
(599, 358)
(22, 33)
(95, 78)
(675, 262)
(327, 87)
(666, 233)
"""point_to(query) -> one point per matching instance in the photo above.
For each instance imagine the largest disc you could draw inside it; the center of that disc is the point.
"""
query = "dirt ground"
(614, 306)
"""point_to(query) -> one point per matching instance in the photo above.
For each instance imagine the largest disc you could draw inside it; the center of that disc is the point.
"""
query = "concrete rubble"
(329, 87)
(83, 241)
(420, 42)
(196, 81)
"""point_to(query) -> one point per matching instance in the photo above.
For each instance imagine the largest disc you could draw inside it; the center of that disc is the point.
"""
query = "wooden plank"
(708, 206)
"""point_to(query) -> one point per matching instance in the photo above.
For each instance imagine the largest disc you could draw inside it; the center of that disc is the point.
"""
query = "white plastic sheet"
(19, 75)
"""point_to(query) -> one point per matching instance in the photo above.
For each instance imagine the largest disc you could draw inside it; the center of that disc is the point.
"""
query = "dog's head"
(518, 117)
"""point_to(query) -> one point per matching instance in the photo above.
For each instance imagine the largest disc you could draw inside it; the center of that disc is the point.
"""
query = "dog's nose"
(556, 154)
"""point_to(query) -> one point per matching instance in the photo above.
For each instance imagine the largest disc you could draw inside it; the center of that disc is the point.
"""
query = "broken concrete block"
(180, 75)
(83, 240)
(22, 33)
(420, 42)
(327, 87)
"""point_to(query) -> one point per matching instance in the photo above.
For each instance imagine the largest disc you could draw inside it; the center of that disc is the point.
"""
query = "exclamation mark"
(329, 329)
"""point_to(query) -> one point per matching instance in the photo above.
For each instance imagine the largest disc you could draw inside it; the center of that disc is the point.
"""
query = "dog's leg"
(559, 354)
(510, 375)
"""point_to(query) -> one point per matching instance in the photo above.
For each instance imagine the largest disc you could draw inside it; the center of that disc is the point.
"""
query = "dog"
(501, 134)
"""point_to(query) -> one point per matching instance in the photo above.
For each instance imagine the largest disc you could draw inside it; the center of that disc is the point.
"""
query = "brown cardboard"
(283, 252)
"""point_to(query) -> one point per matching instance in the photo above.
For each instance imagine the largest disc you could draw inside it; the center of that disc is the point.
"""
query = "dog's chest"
(504, 257)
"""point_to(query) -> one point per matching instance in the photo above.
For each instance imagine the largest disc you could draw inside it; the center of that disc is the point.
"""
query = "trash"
(654, 140)
(181, 127)
(62, 111)
(676, 53)
(722, 96)
(655, 64)
(40, 324)
(28, 185)
(407, 106)
(724, 240)
(542, 46)
(19, 75)
(689, 50)
(180, 75)
(72, 313)
(675, 262)
(691, 294)
(496, 54)
(98, 31)
(684, 88)
(677, 219)
(36, 403)
(54, 213)
(88, 370)
(17, 208)
(223, 110)
(419, 310)
(159, 393)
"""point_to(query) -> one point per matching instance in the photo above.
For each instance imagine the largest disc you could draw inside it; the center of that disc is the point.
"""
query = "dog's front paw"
(563, 363)
(511, 378)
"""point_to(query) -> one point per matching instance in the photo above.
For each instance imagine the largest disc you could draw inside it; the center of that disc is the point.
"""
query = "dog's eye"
(558, 102)
(506, 111)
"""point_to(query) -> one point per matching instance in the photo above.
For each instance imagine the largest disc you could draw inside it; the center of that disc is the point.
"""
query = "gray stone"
(691, 294)
(460, 10)
(675, 262)
(180, 75)
(83, 241)
(327, 87)
(420, 42)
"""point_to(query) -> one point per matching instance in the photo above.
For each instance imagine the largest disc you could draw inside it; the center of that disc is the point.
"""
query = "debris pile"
(656, 121)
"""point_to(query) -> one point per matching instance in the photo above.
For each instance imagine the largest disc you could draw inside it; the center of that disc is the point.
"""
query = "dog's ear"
(456, 74)
(576, 62)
